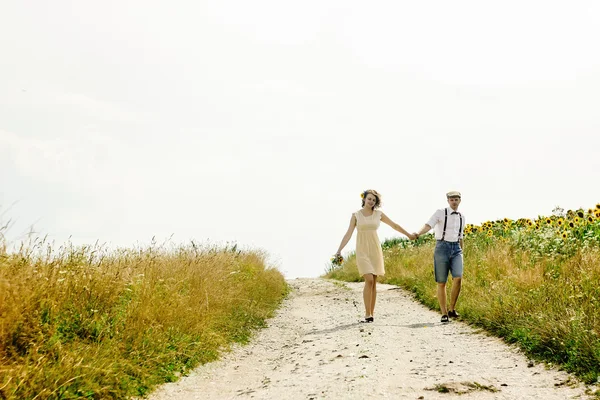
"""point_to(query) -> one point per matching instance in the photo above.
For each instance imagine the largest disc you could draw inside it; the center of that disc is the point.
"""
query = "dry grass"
(82, 322)
(547, 305)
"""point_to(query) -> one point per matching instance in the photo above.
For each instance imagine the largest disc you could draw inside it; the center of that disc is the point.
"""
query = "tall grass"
(545, 301)
(84, 322)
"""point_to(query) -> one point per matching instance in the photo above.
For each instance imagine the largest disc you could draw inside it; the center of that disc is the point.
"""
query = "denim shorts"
(448, 257)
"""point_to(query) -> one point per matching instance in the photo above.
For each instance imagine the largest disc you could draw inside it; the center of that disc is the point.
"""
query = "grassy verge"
(547, 305)
(86, 323)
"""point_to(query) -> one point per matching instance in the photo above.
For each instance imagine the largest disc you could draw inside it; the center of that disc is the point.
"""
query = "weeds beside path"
(86, 323)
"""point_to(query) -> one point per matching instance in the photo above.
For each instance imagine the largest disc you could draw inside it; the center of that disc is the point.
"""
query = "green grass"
(81, 322)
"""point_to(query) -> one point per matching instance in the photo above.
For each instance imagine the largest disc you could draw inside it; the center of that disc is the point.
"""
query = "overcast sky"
(261, 122)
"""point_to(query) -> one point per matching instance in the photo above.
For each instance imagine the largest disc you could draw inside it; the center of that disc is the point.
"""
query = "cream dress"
(369, 256)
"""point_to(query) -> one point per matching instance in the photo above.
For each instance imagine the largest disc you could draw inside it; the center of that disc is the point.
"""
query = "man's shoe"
(445, 319)
(453, 314)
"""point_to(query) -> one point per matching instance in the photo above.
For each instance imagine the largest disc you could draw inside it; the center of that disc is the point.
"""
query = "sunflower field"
(562, 233)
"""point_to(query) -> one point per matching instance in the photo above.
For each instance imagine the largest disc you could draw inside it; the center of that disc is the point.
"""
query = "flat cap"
(453, 193)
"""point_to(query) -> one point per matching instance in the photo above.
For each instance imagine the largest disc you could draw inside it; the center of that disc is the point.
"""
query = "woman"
(369, 256)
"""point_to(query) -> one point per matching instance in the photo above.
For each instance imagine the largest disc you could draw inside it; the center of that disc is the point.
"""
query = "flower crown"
(364, 194)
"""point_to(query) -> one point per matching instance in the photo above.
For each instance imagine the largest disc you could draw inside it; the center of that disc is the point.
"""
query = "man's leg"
(441, 295)
(441, 265)
(456, 284)
(456, 268)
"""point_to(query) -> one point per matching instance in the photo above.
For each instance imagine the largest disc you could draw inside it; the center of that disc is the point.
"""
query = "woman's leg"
(373, 295)
(367, 293)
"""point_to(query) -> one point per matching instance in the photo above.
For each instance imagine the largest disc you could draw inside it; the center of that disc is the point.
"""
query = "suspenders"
(446, 223)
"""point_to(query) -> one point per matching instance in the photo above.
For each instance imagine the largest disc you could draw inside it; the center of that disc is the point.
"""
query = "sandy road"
(315, 348)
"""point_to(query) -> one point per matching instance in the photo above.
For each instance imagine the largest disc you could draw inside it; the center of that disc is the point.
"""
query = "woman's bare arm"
(384, 218)
(348, 234)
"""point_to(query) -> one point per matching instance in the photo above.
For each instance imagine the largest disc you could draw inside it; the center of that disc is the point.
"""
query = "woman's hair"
(374, 193)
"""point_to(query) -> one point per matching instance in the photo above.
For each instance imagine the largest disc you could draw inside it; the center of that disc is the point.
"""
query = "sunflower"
(597, 214)
(564, 234)
(337, 260)
(548, 221)
(577, 220)
(580, 213)
(560, 222)
(598, 206)
(490, 233)
(590, 219)
(590, 211)
(529, 222)
(571, 224)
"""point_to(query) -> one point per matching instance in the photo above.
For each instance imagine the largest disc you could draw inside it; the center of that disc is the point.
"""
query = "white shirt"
(452, 234)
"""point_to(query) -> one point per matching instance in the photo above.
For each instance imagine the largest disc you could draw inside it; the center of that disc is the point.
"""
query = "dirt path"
(315, 348)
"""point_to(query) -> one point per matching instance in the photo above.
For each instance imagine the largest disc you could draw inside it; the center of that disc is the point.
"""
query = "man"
(448, 256)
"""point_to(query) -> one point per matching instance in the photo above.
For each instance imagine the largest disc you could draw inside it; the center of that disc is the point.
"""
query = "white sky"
(261, 122)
